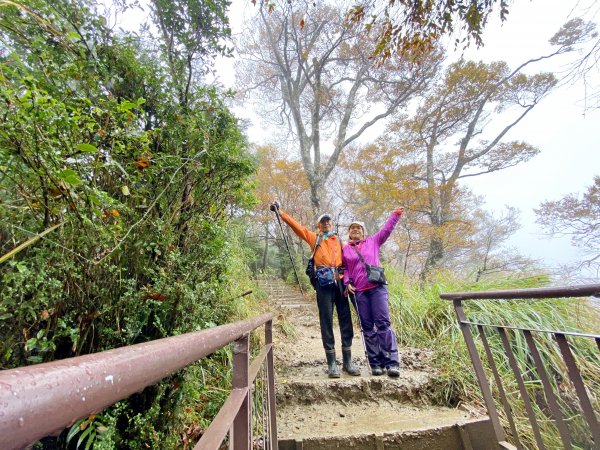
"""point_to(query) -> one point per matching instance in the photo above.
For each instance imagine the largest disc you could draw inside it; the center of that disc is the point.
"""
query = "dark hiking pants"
(327, 298)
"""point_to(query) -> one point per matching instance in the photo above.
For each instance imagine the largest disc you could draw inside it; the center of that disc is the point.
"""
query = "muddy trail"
(366, 412)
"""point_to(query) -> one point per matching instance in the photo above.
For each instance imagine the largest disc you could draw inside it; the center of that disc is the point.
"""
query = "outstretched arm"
(382, 235)
(301, 231)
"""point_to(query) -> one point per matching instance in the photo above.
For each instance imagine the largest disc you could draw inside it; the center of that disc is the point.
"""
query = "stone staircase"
(284, 296)
(315, 412)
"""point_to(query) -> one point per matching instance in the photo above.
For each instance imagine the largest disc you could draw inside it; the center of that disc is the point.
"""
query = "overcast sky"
(567, 135)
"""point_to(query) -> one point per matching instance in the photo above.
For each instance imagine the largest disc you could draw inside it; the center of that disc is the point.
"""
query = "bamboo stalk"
(27, 243)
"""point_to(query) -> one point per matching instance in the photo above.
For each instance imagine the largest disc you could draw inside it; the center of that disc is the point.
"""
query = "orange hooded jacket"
(329, 252)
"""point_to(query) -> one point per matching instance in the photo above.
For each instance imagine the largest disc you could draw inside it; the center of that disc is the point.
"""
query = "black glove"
(274, 206)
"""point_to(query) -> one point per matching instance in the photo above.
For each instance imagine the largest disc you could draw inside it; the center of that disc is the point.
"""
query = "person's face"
(355, 232)
(326, 225)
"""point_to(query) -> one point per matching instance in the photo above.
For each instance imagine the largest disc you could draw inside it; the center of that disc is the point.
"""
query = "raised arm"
(384, 233)
(301, 231)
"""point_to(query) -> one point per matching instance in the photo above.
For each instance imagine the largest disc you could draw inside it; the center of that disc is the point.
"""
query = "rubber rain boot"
(348, 366)
(333, 370)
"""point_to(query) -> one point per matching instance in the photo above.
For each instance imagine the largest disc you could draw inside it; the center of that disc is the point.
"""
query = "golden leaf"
(142, 162)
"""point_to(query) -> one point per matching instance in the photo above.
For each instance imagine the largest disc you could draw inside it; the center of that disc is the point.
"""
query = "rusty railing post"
(551, 410)
(565, 436)
(271, 387)
(586, 405)
(479, 372)
(512, 362)
(241, 437)
(501, 391)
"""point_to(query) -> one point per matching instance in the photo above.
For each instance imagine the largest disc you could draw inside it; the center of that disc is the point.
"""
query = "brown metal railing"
(552, 411)
(41, 400)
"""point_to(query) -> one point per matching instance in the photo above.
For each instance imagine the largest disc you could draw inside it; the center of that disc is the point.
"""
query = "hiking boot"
(376, 370)
(348, 366)
(333, 370)
(393, 372)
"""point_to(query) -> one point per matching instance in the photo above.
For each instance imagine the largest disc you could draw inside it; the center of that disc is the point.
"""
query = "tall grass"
(421, 319)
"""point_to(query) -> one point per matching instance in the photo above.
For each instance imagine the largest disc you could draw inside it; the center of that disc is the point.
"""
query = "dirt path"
(349, 412)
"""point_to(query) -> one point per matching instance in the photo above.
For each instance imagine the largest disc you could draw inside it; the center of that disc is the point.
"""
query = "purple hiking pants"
(380, 340)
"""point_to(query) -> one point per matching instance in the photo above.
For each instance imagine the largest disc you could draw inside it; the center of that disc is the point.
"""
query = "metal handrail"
(565, 350)
(41, 400)
(583, 290)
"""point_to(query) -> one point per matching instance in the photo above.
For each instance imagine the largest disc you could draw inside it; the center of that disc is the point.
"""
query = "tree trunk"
(406, 256)
(434, 256)
(316, 194)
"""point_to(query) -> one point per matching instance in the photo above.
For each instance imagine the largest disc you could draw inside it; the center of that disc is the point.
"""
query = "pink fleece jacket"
(369, 248)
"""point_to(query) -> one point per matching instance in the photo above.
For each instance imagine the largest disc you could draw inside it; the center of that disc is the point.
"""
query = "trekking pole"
(362, 333)
(288, 249)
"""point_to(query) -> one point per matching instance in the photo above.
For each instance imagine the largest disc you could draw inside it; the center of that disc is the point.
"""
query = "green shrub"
(101, 133)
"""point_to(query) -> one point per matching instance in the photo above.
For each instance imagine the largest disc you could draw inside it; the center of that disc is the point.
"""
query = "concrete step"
(291, 300)
(284, 295)
(277, 284)
(397, 428)
(315, 412)
(310, 385)
(295, 306)
(297, 301)
(282, 291)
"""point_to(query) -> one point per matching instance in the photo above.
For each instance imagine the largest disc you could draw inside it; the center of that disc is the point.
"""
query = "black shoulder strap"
(319, 236)
(359, 255)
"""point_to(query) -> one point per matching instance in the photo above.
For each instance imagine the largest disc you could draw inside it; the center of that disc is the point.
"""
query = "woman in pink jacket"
(372, 298)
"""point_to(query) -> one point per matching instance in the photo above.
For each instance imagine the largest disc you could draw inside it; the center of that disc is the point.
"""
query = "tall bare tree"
(450, 137)
(316, 74)
(458, 130)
